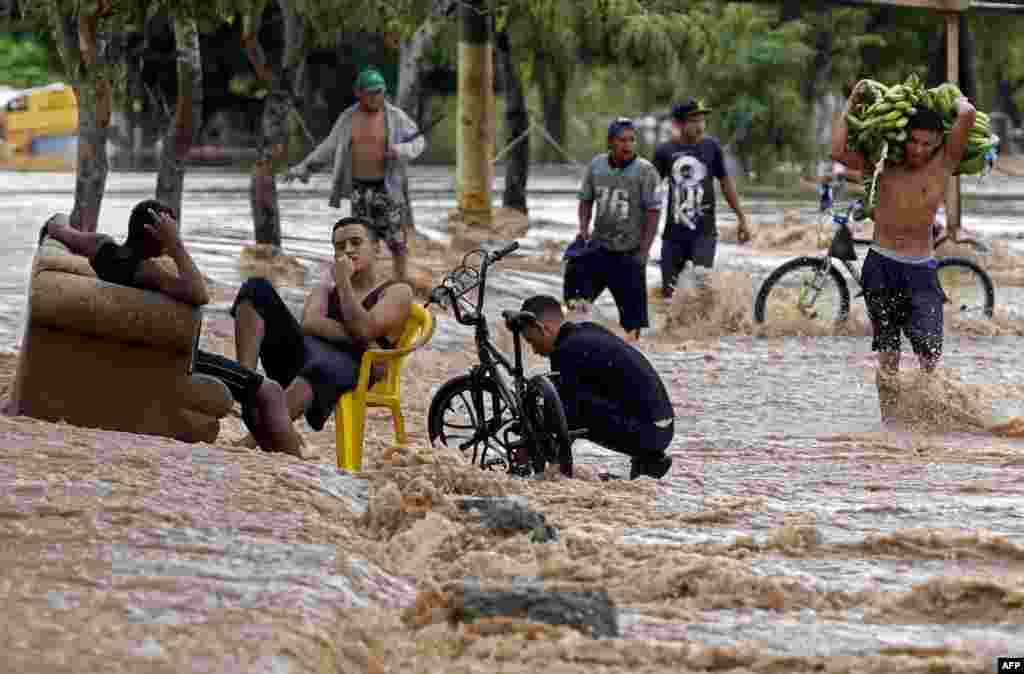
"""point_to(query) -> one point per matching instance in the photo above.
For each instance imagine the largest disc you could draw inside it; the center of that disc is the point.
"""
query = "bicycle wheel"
(551, 442)
(969, 290)
(454, 420)
(801, 289)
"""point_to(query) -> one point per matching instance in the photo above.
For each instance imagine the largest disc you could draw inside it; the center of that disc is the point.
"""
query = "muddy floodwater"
(795, 532)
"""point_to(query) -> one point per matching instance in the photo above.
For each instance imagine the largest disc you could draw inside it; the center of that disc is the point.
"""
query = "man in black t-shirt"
(606, 385)
(691, 163)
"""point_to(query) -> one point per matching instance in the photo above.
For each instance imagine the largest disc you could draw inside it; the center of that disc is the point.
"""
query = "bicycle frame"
(493, 364)
(842, 237)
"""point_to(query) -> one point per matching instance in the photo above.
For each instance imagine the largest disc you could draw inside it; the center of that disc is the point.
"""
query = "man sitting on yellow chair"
(318, 361)
(315, 362)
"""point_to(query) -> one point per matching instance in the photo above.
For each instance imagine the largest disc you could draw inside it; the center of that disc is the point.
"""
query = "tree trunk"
(517, 121)
(84, 58)
(790, 10)
(285, 81)
(937, 63)
(183, 130)
(553, 81)
(475, 128)
(409, 97)
(1004, 97)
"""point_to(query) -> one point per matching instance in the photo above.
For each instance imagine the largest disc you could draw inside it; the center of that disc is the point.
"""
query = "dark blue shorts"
(906, 298)
(597, 269)
(676, 252)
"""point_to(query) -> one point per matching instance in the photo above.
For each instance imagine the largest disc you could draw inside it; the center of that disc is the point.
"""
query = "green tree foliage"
(744, 63)
(1000, 57)
(25, 62)
(910, 36)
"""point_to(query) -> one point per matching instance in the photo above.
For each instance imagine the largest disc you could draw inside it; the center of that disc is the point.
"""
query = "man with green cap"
(370, 145)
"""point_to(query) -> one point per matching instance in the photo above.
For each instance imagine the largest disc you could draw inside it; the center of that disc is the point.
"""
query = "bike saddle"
(517, 320)
(842, 245)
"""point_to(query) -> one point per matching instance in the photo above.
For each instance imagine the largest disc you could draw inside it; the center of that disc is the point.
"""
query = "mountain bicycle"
(813, 288)
(509, 421)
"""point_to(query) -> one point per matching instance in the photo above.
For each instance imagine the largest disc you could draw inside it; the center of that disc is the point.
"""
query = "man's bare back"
(908, 200)
(369, 145)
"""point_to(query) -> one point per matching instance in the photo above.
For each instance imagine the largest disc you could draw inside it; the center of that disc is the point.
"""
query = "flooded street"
(793, 523)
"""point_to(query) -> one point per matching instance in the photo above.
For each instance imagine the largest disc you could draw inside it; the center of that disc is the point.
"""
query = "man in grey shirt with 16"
(625, 190)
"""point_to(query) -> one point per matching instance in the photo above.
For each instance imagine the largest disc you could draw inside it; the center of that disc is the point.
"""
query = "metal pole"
(953, 75)
(475, 135)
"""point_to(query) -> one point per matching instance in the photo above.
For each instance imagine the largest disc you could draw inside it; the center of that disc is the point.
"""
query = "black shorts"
(902, 297)
(242, 382)
(285, 352)
(676, 252)
(597, 269)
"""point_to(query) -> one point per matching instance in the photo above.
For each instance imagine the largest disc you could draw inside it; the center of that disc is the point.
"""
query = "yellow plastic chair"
(350, 414)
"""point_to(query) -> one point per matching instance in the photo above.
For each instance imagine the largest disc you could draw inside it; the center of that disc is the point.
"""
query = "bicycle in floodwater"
(509, 421)
(813, 288)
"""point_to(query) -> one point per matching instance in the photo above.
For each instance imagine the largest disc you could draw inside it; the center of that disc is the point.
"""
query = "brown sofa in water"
(97, 354)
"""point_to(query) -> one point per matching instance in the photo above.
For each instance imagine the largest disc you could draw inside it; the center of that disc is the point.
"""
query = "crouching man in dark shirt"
(607, 387)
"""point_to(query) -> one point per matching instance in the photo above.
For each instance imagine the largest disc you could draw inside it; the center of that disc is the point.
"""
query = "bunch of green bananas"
(878, 122)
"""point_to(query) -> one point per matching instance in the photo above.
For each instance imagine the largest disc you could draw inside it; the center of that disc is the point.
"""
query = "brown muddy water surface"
(795, 532)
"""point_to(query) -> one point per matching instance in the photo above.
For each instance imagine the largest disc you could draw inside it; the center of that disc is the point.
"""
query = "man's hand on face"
(165, 230)
(342, 267)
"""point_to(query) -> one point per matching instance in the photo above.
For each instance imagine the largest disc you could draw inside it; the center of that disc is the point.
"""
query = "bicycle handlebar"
(465, 278)
(504, 251)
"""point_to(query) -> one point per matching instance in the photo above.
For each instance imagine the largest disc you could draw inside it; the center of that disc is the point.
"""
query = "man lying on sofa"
(152, 232)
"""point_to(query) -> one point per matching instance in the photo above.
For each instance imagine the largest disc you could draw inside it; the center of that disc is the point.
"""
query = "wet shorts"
(370, 200)
(903, 297)
(589, 274)
(675, 253)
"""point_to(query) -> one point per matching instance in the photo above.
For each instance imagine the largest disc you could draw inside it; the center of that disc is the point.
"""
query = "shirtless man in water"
(901, 285)
(369, 147)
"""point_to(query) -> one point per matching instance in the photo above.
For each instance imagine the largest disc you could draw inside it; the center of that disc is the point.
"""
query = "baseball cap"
(371, 81)
(618, 125)
(690, 108)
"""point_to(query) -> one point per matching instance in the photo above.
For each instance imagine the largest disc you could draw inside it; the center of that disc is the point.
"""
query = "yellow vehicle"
(39, 128)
